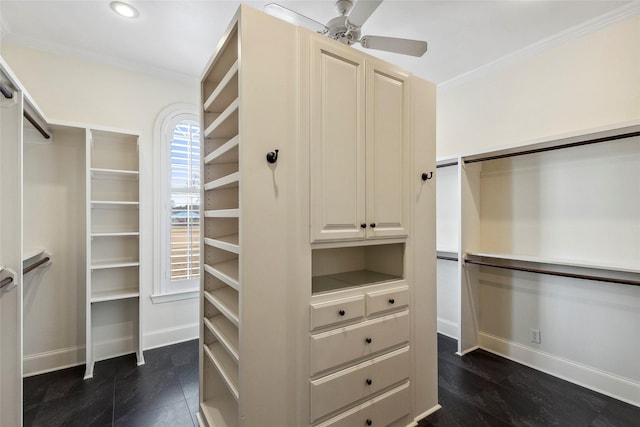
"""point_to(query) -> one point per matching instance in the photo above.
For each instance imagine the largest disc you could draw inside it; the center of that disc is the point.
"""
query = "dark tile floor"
(478, 389)
(482, 389)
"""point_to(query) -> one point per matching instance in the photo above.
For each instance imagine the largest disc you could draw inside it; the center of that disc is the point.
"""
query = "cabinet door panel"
(337, 142)
(387, 150)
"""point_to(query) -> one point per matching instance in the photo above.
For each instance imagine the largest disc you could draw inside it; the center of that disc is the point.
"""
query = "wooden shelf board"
(226, 243)
(233, 71)
(226, 153)
(114, 173)
(227, 181)
(221, 412)
(222, 213)
(232, 108)
(226, 333)
(115, 295)
(116, 234)
(114, 264)
(226, 301)
(227, 367)
(114, 202)
(226, 271)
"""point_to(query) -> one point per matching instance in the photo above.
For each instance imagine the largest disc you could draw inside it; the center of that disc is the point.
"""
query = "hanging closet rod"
(444, 165)
(556, 147)
(35, 265)
(5, 91)
(447, 258)
(5, 282)
(36, 125)
(556, 273)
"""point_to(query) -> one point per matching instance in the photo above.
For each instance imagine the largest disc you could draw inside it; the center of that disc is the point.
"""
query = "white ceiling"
(177, 37)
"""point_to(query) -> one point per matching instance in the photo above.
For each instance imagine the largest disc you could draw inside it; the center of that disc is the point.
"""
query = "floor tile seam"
(113, 404)
(153, 407)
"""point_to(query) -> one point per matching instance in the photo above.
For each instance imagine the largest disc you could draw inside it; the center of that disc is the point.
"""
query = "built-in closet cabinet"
(292, 330)
(359, 145)
(113, 315)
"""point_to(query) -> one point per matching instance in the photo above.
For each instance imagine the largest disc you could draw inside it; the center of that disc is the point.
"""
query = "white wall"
(87, 93)
(589, 330)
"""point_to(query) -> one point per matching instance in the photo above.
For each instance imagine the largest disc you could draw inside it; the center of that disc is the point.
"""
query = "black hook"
(426, 176)
(272, 156)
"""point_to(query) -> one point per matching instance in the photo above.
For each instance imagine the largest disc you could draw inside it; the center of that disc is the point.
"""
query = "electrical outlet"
(535, 335)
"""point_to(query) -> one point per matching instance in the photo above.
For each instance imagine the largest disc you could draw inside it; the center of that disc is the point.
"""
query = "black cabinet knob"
(368, 340)
(392, 301)
(369, 381)
(369, 422)
(363, 225)
(342, 312)
(372, 225)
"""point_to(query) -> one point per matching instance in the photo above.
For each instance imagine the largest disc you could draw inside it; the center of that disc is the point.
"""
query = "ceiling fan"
(346, 27)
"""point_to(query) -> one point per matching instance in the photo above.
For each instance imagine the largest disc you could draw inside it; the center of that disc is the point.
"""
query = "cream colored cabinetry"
(359, 126)
(113, 251)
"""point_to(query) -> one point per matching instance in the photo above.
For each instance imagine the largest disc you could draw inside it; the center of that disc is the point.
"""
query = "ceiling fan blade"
(392, 44)
(294, 17)
(361, 11)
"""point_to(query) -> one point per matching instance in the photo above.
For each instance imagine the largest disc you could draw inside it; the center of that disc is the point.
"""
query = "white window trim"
(164, 125)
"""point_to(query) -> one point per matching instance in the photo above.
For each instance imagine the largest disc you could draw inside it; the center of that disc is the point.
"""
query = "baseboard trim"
(168, 336)
(447, 328)
(48, 361)
(603, 382)
(426, 414)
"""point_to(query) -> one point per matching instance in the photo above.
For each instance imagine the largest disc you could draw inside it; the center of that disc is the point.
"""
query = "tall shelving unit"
(113, 310)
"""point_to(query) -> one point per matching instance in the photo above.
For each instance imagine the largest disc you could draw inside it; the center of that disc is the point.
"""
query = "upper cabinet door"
(387, 148)
(337, 138)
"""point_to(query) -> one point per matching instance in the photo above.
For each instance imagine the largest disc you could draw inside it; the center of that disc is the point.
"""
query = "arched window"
(177, 215)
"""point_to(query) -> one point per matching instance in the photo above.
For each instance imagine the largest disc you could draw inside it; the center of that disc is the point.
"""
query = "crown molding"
(87, 55)
(620, 14)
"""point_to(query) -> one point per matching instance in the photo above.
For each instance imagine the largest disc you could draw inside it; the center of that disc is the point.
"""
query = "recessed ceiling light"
(124, 9)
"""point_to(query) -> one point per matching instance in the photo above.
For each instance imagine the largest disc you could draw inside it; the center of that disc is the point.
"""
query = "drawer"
(335, 391)
(380, 411)
(342, 345)
(388, 299)
(337, 311)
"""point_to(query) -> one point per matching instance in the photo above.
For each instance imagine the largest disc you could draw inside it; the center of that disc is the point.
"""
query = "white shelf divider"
(226, 333)
(225, 153)
(227, 367)
(227, 181)
(222, 213)
(226, 301)
(226, 271)
(233, 71)
(226, 243)
(115, 295)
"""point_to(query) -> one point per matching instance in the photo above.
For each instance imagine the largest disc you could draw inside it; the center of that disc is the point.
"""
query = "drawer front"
(333, 348)
(338, 390)
(388, 299)
(380, 411)
(337, 311)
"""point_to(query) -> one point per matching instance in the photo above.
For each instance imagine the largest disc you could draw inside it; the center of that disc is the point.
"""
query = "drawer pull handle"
(369, 381)
(372, 225)
(342, 312)
(392, 301)
(368, 340)
(363, 225)
(369, 422)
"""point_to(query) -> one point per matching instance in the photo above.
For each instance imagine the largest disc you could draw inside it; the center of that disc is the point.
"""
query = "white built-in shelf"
(226, 243)
(114, 264)
(222, 412)
(226, 333)
(221, 125)
(226, 271)
(226, 301)
(114, 173)
(114, 295)
(222, 213)
(226, 153)
(555, 261)
(113, 203)
(227, 181)
(116, 234)
(448, 254)
(226, 366)
(225, 92)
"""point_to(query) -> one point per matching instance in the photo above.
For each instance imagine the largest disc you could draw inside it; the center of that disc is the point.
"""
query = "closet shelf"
(222, 412)
(228, 181)
(226, 301)
(226, 367)
(116, 234)
(448, 255)
(114, 174)
(212, 104)
(113, 203)
(226, 271)
(226, 124)
(226, 153)
(226, 333)
(114, 264)
(115, 295)
(222, 213)
(226, 243)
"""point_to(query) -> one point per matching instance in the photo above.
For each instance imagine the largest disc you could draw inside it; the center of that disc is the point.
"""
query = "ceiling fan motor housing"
(341, 30)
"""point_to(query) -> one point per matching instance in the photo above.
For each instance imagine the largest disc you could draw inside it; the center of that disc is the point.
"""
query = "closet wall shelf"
(114, 264)
(226, 243)
(222, 213)
(448, 255)
(221, 412)
(226, 301)
(226, 271)
(115, 295)
(116, 234)
(226, 333)
(226, 153)
(562, 268)
(220, 122)
(228, 181)
(114, 173)
(113, 203)
(226, 367)
(216, 102)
